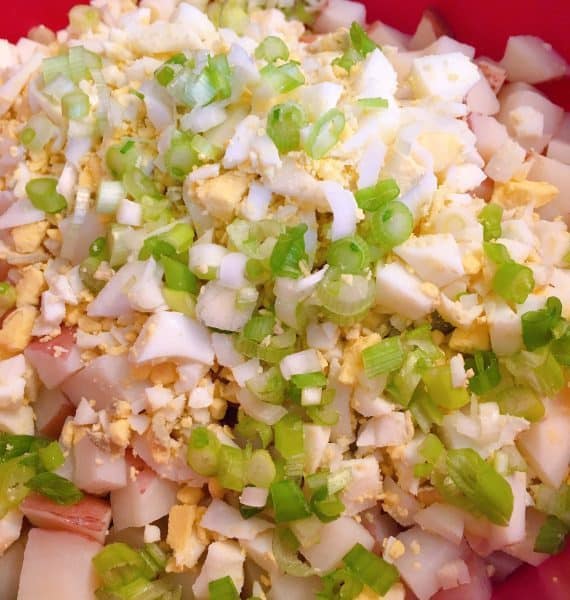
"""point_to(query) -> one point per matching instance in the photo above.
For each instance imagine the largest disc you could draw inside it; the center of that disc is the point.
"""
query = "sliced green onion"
(309, 380)
(345, 297)
(271, 49)
(232, 468)
(288, 501)
(440, 388)
(268, 386)
(490, 217)
(178, 276)
(340, 583)
(284, 123)
(109, 195)
(554, 502)
(164, 75)
(204, 451)
(181, 156)
(551, 537)
(251, 430)
(84, 18)
(178, 301)
(205, 150)
(98, 248)
(375, 196)
(157, 248)
(349, 255)
(496, 252)
(259, 327)
(119, 162)
(8, 297)
(391, 225)
(14, 477)
(521, 401)
(260, 469)
(87, 269)
(360, 40)
(424, 410)
(118, 565)
(487, 374)
(77, 65)
(55, 488)
(137, 184)
(223, 589)
(538, 325)
(431, 449)
(372, 570)
(513, 282)
(326, 507)
(538, 369)
(383, 357)
(43, 194)
(560, 349)
(283, 78)
(373, 102)
(234, 15)
(38, 132)
(214, 82)
(75, 105)
(285, 548)
(289, 442)
(55, 66)
(51, 456)
(475, 485)
(288, 252)
(325, 134)
(155, 560)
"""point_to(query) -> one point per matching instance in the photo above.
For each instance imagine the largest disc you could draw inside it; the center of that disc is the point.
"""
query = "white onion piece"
(172, 335)
(143, 500)
(232, 270)
(344, 208)
(223, 559)
(306, 361)
(429, 29)
(431, 553)
(446, 45)
(95, 470)
(256, 203)
(316, 439)
(204, 256)
(558, 174)
(337, 538)
(11, 88)
(442, 519)
(339, 13)
(203, 118)
(259, 410)
(254, 496)
(227, 521)
(129, 213)
(531, 60)
(524, 550)
(400, 505)
(246, 371)
(490, 134)
(479, 585)
(21, 212)
(482, 99)
(224, 349)
(11, 566)
(545, 445)
(384, 35)
(394, 429)
(516, 95)
(105, 380)
(50, 553)
(159, 106)
(217, 308)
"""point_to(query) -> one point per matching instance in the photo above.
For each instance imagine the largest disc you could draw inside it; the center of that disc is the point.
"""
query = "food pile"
(285, 304)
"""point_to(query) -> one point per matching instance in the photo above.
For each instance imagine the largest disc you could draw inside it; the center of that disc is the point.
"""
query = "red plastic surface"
(485, 24)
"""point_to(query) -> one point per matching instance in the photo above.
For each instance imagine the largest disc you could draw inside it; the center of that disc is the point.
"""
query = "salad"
(284, 306)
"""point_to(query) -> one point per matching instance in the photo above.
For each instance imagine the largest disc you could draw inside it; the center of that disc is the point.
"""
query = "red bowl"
(485, 24)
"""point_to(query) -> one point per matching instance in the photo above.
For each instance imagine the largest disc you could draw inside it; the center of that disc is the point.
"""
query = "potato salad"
(284, 306)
